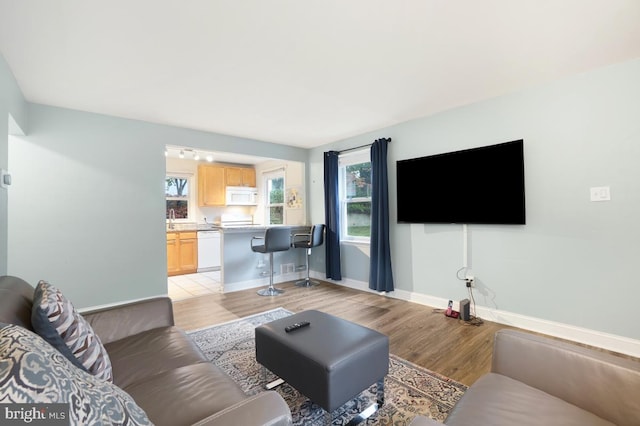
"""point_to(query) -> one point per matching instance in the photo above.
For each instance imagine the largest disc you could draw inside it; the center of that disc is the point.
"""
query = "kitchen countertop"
(187, 227)
(253, 228)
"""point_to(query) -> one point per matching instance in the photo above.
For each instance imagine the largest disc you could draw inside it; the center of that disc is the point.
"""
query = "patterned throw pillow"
(31, 371)
(55, 319)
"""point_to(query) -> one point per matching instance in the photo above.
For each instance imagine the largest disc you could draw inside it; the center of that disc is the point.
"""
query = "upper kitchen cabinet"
(211, 185)
(240, 176)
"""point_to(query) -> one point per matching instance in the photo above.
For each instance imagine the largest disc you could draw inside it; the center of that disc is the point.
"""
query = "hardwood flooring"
(416, 332)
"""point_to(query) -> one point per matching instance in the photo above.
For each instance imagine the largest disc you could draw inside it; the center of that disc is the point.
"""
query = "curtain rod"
(361, 146)
(275, 169)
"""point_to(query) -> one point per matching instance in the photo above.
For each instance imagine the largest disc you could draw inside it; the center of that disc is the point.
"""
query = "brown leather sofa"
(536, 380)
(158, 364)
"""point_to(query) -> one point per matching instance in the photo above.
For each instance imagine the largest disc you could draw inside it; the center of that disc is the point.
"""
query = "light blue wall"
(85, 209)
(87, 205)
(575, 260)
(13, 118)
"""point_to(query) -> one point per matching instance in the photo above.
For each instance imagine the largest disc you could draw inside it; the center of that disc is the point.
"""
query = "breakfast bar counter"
(242, 268)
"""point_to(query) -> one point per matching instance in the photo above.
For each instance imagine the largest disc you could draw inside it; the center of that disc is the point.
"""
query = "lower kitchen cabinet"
(182, 253)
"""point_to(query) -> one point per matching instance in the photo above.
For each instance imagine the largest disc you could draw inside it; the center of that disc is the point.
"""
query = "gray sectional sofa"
(536, 380)
(160, 377)
(153, 362)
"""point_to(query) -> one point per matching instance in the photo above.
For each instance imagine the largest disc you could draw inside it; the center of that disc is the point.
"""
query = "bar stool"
(307, 241)
(277, 238)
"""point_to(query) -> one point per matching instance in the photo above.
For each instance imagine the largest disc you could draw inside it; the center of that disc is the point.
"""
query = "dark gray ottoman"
(331, 361)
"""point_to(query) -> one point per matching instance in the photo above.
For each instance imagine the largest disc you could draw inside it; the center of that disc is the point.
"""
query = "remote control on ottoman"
(296, 326)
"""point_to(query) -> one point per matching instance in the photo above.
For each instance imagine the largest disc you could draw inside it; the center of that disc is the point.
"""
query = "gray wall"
(575, 260)
(87, 205)
(13, 119)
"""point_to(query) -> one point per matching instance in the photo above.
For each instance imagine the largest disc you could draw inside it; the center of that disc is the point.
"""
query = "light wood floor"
(418, 333)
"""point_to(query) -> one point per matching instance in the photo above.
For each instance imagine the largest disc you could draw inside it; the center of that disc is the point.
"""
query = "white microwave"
(241, 196)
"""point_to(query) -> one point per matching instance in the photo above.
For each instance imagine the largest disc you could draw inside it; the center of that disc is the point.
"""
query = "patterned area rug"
(410, 390)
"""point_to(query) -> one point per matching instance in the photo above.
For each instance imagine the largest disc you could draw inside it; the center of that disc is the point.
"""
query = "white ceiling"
(200, 155)
(302, 72)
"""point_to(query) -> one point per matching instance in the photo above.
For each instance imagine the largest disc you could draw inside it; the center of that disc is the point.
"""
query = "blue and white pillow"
(32, 371)
(56, 320)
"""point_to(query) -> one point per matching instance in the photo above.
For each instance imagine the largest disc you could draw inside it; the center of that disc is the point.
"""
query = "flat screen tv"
(475, 186)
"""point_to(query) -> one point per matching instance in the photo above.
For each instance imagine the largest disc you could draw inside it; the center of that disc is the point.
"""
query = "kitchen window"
(355, 195)
(274, 187)
(177, 189)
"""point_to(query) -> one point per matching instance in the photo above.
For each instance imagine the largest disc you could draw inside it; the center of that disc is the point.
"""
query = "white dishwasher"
(208, 251)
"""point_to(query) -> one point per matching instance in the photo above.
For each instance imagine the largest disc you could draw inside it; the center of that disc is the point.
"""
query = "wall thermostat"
(5, 179)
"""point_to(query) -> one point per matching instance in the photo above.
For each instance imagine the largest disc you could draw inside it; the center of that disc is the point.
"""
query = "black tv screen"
(475, 186)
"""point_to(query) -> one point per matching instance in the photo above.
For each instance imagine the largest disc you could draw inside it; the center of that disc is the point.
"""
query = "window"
(355, 195)
(274, 187)
(177, 189)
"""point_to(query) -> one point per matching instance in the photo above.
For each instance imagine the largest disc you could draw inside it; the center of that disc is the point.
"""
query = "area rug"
(410, 390)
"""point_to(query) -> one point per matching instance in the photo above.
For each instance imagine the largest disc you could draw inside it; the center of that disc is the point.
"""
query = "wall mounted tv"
(475, 186)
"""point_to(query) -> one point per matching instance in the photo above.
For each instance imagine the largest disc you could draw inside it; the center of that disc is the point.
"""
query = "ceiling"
(302, 72)
(200, 155)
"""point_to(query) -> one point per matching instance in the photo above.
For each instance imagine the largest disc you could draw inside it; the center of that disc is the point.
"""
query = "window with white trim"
(177, 189)
(354, 170)
(274, 197)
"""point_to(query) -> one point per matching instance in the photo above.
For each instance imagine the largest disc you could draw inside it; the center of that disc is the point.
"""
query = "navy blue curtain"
(332, 216)
(380, 274)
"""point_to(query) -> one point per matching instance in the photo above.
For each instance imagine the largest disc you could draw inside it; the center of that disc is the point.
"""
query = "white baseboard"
(586, 336)
(123, 302)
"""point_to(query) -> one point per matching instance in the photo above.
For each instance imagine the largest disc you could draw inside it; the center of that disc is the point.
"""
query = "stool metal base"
(270, 291)
(306, 283)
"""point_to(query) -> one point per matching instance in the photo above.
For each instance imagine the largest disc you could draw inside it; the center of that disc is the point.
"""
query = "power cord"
(473, 320)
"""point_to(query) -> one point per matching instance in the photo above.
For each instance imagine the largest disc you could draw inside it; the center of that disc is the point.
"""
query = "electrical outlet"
(470, 280)
(600, 193)
(286, 268)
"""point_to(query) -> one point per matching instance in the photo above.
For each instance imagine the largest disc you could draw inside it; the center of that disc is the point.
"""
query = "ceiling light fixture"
(181, 155)
(210, 158)
(196, 156)
(166, 152)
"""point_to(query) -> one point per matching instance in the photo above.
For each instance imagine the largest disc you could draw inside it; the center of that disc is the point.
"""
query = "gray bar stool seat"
(277, 238)
(314, 238)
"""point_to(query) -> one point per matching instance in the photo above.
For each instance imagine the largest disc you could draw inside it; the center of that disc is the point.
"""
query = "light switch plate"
(600, 193)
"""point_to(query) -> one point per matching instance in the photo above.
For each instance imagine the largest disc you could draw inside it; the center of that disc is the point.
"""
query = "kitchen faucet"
(172, 217)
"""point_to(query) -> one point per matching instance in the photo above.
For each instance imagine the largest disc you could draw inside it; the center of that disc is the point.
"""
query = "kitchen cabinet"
(182, 253)
(240, 176)
(211, 185)
(173, 259)
(213, 180)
